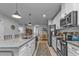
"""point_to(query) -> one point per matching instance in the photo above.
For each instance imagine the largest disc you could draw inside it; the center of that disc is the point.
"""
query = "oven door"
(64, 48)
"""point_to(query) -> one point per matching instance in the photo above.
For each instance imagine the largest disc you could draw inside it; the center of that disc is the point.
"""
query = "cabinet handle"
(27, 45)
(74, 48)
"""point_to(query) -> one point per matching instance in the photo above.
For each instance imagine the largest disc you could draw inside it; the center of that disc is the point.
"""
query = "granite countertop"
(75, 43)
(14, 43)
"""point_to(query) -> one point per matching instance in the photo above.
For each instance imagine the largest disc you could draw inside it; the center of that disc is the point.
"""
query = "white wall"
(56, 20)
(5, 24)
(49, 22)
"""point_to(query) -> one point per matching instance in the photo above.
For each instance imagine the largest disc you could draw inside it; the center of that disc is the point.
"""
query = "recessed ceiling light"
(44, 15)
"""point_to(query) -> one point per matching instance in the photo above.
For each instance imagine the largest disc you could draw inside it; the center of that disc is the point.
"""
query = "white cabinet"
(1, 29)
(66, 8)
(27, 49)
(77, 9)
(31, 47)
(73, 50)
(24, 51)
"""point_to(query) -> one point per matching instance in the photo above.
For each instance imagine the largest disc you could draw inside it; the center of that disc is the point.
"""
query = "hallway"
(43, 49)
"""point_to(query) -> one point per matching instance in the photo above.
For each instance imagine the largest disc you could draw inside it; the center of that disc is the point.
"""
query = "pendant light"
(16, 14)
(30, 20)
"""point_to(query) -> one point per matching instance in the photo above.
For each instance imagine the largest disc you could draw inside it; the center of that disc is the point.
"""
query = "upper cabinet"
(66, 8)
(49, 22)
(77, 9)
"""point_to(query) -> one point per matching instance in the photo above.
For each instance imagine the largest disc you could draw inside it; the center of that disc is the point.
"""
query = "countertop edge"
(19, 45)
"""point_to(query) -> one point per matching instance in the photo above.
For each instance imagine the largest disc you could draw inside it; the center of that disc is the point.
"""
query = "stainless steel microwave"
(69, 20)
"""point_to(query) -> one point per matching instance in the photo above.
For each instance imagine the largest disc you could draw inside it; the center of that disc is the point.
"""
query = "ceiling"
(36, 10)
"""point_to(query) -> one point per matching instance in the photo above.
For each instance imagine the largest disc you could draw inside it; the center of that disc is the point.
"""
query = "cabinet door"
(73, 49)
(22, 50)
(27, 49)
(1, 29)
(30, 48)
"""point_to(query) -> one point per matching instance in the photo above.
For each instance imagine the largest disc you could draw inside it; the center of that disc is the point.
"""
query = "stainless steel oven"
(61, 47)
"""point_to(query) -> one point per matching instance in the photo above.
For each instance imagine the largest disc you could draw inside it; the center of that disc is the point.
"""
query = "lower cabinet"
(73, 50)
(27, 49)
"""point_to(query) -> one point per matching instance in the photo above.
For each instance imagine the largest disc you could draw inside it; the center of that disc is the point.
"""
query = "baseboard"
(36, 49)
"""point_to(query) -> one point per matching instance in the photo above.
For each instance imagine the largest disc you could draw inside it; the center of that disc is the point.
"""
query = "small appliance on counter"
(75, 37)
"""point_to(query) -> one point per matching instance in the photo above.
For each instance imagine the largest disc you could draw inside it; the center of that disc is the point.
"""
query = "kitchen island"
(17, 47)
